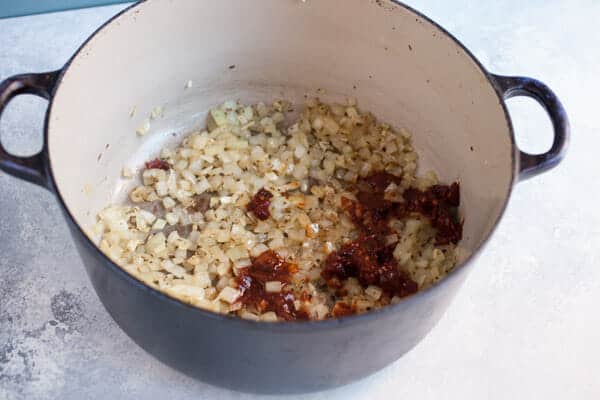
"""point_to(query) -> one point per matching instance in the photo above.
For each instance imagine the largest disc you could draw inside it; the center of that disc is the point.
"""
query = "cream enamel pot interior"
(394, 60)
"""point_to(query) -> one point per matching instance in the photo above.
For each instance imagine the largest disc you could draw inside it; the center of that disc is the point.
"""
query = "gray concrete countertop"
(525, 325)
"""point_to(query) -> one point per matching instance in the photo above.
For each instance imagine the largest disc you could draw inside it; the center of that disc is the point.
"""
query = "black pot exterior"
(256, 356)
(271, 357)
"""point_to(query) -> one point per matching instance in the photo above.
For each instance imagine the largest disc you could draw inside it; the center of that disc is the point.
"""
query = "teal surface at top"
(15, 8)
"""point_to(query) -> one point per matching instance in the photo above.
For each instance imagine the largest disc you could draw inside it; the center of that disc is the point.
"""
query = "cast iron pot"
(394, 60)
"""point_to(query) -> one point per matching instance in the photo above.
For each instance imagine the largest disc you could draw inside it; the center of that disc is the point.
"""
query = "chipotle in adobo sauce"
(267, 267)
(368, 258)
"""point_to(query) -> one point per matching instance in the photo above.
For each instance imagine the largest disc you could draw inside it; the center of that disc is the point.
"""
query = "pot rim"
(296, 326)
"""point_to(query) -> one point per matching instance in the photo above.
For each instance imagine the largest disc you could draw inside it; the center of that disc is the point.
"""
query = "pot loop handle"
(531, 165)
(32, 168)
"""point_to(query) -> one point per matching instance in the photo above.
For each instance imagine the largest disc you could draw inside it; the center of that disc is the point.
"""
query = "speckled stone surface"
(525, 325)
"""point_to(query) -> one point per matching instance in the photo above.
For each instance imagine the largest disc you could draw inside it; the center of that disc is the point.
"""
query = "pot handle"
(30, 168)
(531, 165)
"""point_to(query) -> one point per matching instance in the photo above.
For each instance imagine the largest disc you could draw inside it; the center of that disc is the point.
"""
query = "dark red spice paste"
(158, 164)
(371, 262)
(269, 266)
(368, 258)
(439, 204)
(259, 205)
